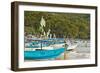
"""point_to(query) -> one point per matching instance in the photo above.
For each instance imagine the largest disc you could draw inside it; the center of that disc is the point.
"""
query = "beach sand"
(77, 53)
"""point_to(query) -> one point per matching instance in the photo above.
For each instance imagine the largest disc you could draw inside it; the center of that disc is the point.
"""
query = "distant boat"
(43, 54)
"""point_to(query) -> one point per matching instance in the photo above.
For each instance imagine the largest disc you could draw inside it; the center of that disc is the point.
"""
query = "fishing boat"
(46, 51)
(43, 49)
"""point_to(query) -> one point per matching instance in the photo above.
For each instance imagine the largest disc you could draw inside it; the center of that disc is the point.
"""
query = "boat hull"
(43, 54)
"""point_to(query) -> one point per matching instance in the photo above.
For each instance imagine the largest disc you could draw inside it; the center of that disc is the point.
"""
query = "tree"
(74, 25)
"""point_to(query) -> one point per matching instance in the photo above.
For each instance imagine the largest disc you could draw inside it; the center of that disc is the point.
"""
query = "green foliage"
(71, 25)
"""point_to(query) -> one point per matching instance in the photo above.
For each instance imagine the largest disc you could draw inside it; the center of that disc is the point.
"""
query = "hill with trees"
(72, 25)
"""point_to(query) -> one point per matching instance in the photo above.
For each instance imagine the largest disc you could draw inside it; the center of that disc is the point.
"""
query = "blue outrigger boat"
(43, 54)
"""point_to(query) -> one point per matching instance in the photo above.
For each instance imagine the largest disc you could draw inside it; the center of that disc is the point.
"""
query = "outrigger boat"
(47, 51)
(43, 54)
(42, 51)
